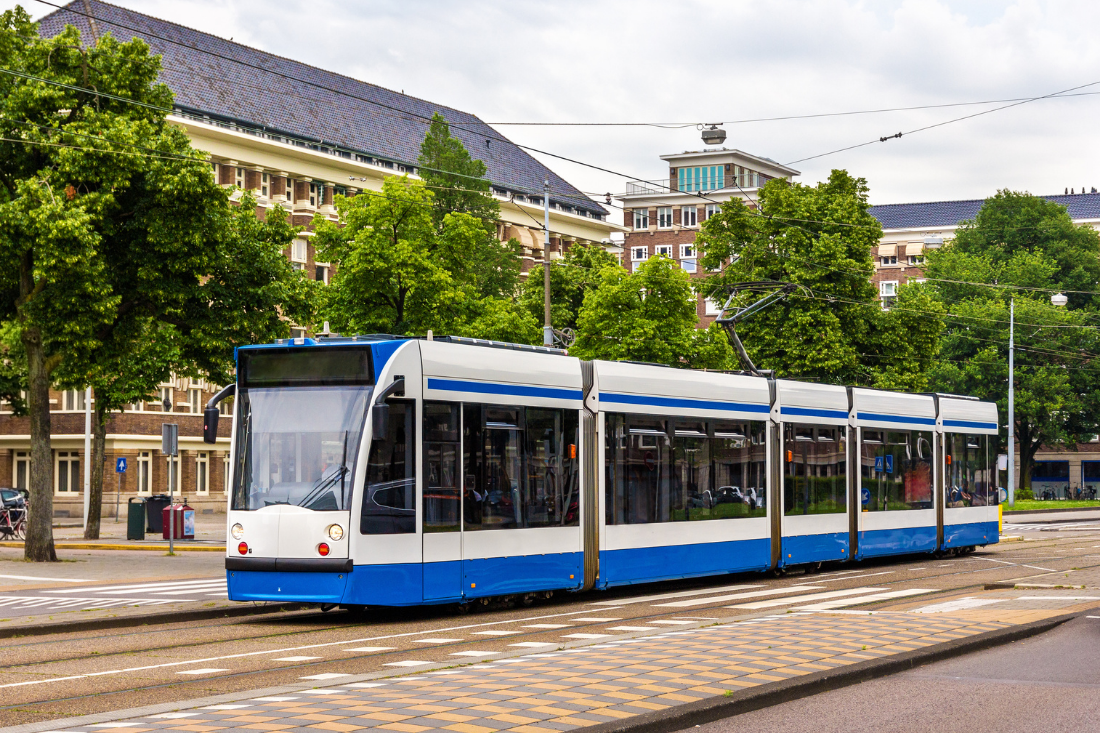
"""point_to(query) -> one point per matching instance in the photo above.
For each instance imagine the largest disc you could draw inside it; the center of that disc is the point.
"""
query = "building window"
(688, 216)
(290, 190)
(72, 400)
(315, 193)
(704, 178)
(171, 462)
(339, 191)
(225, 407)
(145, 472)
(194, 400)
(641, 218)
(888, 291)
(664, 217)
(202, 473)
(687, 251)
(888, 260)
(712, 307)
(135, 407)
(637, 254)
(67, 472)
(21, 470)
(164, 397)
(214, 171)
(713, 209)
(916, 259)
(664, 250)
(298, 250)
(265, 185)
(225, 474)
(322, 274)
(238, 177)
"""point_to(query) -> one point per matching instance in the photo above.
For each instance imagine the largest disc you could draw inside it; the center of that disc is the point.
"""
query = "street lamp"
(1059, 300)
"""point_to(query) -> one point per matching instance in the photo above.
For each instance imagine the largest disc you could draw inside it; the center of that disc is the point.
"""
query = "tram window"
(968, 471)
(441, 449)
(389, 499)
(814, 475)
(896, 470)
(520, 467)
(698, 471)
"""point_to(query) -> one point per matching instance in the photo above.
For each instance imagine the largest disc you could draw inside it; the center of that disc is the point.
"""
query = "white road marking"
(1015, 564)
(1092, 616)
(406, 663)
(679, 594)
(274, 699)
(205, 670)
(736, 596)
(671, 622)
(865, 599)
(585, 636)
(435, 641)
(114, 725)
(853, 577)
(51, 580)
(174, 716)
(324, 676)
(533, 644)
(810, 597)
(597, 620)
(303, 647)
(294, 659)
(632, 628)
(145, 586)
(959, 604)
(323, 692)
(496, 632)
(1058, 598)
(371, 649)
(545, 626)
(473, 654)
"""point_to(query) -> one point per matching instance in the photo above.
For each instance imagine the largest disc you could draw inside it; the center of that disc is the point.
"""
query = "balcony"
(641, 188)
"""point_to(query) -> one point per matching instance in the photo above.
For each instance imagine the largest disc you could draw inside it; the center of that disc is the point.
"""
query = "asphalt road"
(50, 677)
(1048, 683)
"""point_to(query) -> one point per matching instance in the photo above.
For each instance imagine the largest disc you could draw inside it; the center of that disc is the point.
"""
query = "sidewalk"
(209, 536)
(622, 684)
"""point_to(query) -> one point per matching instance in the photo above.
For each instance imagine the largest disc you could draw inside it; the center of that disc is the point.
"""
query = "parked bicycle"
(13, 523)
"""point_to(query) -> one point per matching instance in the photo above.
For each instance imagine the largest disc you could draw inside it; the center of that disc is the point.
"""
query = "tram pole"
(1011, 407)
(547, 328)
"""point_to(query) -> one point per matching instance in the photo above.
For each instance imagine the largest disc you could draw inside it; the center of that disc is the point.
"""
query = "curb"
(711, 709)
(150, 548)
(119, 622)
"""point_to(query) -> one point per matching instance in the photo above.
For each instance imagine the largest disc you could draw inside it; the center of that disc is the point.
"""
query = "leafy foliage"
(572, 278)
(819, 237)
(1021, 240)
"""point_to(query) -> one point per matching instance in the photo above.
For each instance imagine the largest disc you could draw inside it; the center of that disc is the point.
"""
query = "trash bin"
(154, 507)
(135, 518)
(183, 519)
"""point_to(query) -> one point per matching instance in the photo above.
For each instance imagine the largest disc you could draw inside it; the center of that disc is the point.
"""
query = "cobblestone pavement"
(574, 688)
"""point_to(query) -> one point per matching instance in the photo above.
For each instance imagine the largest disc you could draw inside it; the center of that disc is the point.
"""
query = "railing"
(643, 187)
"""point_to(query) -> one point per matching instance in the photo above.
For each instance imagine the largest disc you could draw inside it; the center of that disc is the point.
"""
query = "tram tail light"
(790, 456)
(572, 451)
(243, 548)
(322, 549)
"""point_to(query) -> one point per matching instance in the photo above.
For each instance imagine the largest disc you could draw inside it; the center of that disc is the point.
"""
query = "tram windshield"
(301, 416)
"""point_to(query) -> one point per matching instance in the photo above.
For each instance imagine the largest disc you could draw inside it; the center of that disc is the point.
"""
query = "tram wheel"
(463, 608)
(528, 599)
(815, 567)
(779, 572)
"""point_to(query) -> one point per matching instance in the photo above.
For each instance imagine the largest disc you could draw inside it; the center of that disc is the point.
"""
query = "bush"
(1025, 494)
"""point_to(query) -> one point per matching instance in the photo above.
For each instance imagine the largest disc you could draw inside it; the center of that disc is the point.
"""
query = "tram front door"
(442, 507)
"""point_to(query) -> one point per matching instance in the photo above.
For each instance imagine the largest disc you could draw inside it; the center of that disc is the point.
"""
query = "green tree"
(1018, 241)
(819, 237)
(112, 232)
(648, 315)
(572, 277)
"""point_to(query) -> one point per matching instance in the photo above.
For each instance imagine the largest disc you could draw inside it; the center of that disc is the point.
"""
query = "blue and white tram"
(376, 471)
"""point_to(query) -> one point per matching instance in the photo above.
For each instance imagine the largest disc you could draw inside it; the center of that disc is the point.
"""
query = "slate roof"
(952, 213)
(219, 86)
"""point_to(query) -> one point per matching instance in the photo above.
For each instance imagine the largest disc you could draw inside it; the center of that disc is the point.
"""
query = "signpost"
(120, 468)
(169, 445)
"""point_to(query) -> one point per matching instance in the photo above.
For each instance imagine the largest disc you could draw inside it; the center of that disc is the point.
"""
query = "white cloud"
(696, 61)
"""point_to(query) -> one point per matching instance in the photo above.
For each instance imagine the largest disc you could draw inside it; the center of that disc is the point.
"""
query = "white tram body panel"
(969, 496)
(685, 481)
(812, 429)
(896, 461)
(397, 472)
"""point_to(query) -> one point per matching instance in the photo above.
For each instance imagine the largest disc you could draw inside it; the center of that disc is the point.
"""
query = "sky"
(709, 61)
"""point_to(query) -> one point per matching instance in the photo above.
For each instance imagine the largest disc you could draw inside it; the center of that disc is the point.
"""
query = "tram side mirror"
(210, 425)
(381, 421)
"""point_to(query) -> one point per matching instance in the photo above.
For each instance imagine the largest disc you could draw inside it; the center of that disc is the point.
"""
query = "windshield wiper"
(323, 484)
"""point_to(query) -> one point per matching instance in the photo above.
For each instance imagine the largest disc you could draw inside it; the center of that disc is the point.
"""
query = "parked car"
(13, 498)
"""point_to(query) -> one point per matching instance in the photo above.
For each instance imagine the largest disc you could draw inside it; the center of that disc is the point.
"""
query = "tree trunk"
(39, 545)
(99, 445)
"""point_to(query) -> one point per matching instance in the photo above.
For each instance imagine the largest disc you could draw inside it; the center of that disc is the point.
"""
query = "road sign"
(889, 464)
(169, 438)
(865, 495)
(878, 463)
(120, 465)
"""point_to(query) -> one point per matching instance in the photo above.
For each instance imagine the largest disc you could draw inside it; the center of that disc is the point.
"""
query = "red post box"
(183, 519)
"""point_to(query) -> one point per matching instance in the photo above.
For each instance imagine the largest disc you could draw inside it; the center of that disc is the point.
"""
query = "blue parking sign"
(889, 464)
(878, 463)
(120, 465)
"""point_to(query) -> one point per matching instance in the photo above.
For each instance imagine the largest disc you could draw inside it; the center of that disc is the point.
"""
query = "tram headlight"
(237, 531)
(335, 532)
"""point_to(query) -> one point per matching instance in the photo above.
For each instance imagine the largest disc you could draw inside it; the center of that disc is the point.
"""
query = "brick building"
(295, 136)
(662, 216)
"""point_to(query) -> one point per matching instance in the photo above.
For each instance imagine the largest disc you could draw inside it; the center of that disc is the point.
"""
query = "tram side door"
(441, 483)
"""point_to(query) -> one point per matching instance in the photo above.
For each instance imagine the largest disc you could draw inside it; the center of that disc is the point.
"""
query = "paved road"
(150, 593)
(1047, 683)
(45, 678)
